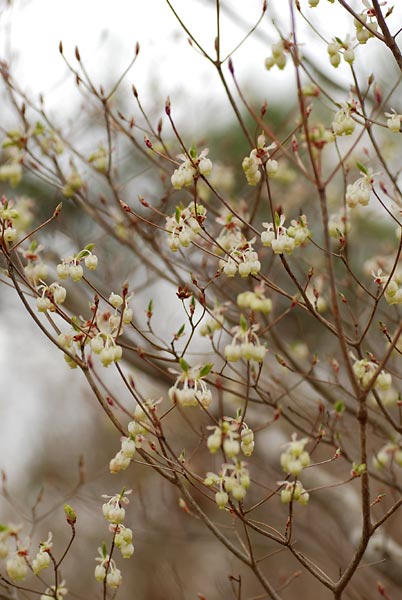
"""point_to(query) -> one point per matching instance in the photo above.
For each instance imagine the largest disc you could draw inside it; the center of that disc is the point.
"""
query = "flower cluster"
(231, 436)
(55, 592)
(390, 453)
(364, 32)
(51, 295)
(71, 266)
(112, 510)
(114, 513)
(334, 48)
(42, 558)
(107, 569)
(338, 224)
(73, 183)
(231, 235)
(259, 156)
(315, 294)
(214, 322)
(191, 168)
(17, 566)
(295, 458)
(233, 479)
(137, 430)
(99, 159)
(294, 491)
(358, 192)
(393, 290)
(394, 121)
(285, 239)
(343, 124)
(256, 301)
(189, 388)
(245, 344)
(15, 217)
(11, 170)
(243, 259)
(365, 369)
(109, 326)
(278, 56)
(184, 227)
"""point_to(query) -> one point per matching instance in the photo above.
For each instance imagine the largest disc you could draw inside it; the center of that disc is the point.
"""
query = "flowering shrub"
(281, 265)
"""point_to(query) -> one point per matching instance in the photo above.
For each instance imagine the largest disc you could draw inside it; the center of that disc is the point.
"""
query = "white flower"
(16, 567)
(91, 262)
(114, 578)
(394, 121)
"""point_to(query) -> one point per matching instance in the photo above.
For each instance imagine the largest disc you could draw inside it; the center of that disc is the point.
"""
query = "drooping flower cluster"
(365, 369)
(338, 224)
(243, 259)
(256, 301)
(107, 569)
(71, 265)
(295, 458)
(214, 322)
(233, 479)
(358, 192)
(137, 430)
(390, 453)
(259, 156)
(73, 183)
(114, 513)
(184, 227)
(285, 239)
(245, 344)
(278, 56)
(334, 51)
(109, 327)
(189, 388)
(365, 32)
(231, 235)
(393, 291)
(294, 491)
(15, 218)
(16, 565)
(42, 559)
(191, 168)
(343, 124)
(394, 121)
(56, 592)
(51, 296)
(232, 436)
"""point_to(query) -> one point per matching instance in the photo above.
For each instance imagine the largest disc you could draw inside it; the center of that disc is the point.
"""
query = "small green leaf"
(243, 323)
(3, 527)
(184, 366)
(339, 407)
(181, 331)
(206, 369)
(277, 219)
(178, 214)
(150, 306)
(104, 550)
(193, 151)
(361, 168)
(89, 247)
